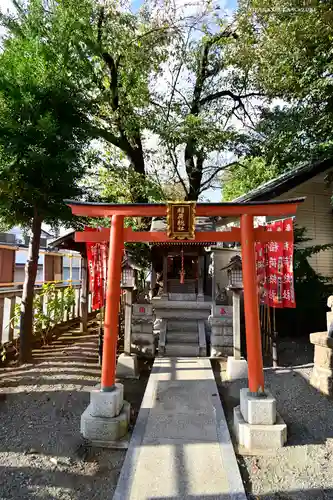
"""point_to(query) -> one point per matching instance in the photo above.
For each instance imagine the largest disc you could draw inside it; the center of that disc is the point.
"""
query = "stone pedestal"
(221, 339)
(236, 368)
(257, 424)
(105, 421)
(127, 366)
(322, 373)
(142, 334)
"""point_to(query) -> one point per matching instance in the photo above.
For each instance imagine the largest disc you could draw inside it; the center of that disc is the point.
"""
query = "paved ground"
(303, 470)
(180, 447)
(42, 455)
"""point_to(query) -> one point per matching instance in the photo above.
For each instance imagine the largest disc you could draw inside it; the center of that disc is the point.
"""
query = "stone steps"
(179, 350)
(182, 337)
(181, 310)
(182, 326)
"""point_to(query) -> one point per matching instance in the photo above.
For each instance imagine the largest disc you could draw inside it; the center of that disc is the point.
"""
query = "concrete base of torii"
(257, 424)
(105, 422)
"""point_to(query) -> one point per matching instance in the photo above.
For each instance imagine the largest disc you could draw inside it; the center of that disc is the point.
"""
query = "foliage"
(44, 116)
(51, 305)
(311, 290)
(42, 134)
(245, 176)
(162, 74)
(208, 101)
(286, 49)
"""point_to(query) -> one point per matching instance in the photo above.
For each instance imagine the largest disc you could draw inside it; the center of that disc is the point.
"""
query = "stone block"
(323, 357)
(142, 309)
(222, 330)
(322, 380)
(182, 296)
(218, 322)
(105, 429)
(106, 404)
(329, 319)
(258, 411)
(321, 338)
(143, 349)
(322, 373)
(127, 366)
(142, 327)
(222, 311)
(143, 338)
(158, 324)
(222, 340)
(220, 351)
(259, 437)
(236, 368)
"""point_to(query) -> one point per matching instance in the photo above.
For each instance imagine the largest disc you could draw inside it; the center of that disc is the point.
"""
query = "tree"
(43, 140)
(207, 99)
(154, 74)
(286, 49)
(245, 176)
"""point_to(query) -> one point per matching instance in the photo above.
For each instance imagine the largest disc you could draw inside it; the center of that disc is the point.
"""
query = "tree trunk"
(194, 170)
(26, 319)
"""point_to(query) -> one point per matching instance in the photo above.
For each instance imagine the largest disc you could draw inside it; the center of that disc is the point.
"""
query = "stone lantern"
(235, 273)
(236, 365)
(127, 275)
(127, 365)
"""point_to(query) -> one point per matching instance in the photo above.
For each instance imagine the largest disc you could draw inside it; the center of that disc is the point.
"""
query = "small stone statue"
(330, 305)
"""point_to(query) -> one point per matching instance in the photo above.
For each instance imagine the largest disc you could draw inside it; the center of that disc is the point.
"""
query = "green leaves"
(245, 176)
(286, 50)
(43, 121)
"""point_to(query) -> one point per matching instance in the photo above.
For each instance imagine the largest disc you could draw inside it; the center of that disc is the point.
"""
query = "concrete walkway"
(180, 447)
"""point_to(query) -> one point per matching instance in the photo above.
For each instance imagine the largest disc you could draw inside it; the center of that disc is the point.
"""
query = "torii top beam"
(227, 209)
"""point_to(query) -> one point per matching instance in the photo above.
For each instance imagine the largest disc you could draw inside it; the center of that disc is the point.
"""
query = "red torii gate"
(246, 234)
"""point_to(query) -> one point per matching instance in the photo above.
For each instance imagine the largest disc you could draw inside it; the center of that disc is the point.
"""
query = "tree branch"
(205, 184)
(175, 166)
(119, 142)
(100, 24)
(177, 76)
(228, 93)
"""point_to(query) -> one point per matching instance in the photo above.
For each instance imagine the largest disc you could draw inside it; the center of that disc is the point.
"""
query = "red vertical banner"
(97, 256)
(275, 274)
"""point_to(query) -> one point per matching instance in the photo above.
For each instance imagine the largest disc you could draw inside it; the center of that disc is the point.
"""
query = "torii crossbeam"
(246, 234)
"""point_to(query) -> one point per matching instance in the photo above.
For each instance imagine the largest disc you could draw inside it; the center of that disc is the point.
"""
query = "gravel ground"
(42, 455)
(303, 470)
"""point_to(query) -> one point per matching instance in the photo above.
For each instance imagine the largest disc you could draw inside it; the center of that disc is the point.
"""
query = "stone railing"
(10, 298)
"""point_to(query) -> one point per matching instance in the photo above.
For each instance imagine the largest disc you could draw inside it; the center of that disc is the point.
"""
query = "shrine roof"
(67, 242)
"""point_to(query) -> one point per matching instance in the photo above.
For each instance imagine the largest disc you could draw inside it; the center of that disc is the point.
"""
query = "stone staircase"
(183, 338)
(180, 326)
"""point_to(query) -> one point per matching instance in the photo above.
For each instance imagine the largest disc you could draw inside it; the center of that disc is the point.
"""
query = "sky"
(227, 4)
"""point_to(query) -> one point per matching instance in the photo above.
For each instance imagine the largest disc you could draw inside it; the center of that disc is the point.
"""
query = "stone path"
(180, 447)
